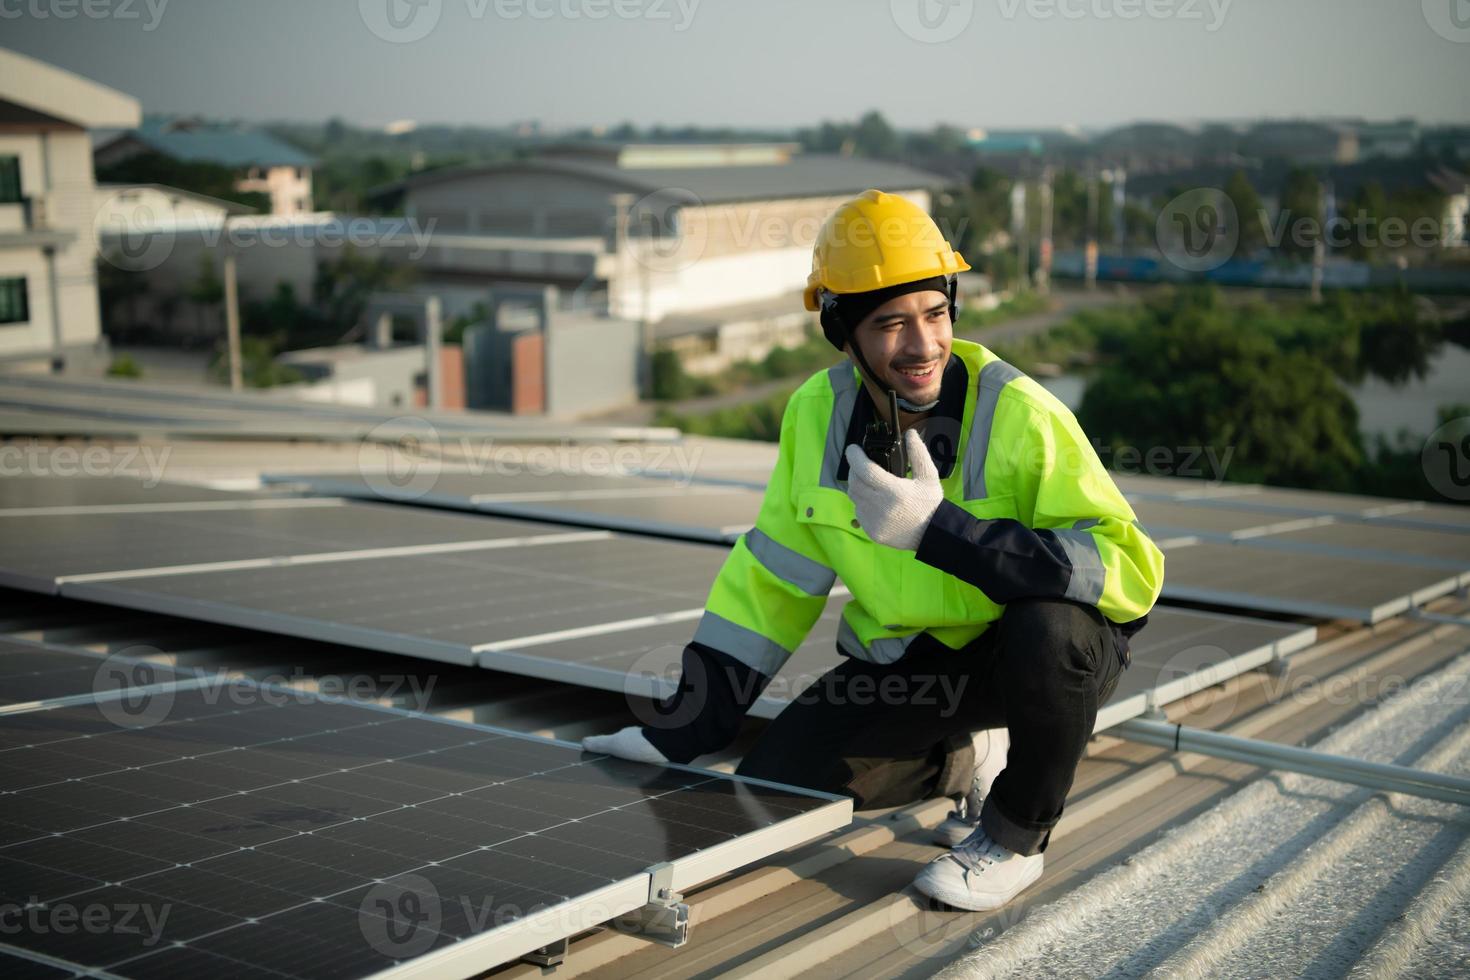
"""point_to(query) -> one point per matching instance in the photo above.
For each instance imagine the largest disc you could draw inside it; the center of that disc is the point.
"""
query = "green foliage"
(670, 382)
(207, 289)
(124, 366)
(1300, 217)
(258, 368)
(454, 332)
(210, 179)
(752, 420)
(1250, 232)
(1264, 382)
(1197, 379)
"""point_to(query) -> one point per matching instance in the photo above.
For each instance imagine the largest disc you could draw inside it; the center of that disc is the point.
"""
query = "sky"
(763, 63)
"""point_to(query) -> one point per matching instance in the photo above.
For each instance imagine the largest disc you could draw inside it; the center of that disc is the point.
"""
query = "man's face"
(906, 342)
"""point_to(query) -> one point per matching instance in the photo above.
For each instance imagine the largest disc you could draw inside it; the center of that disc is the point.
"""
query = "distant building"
(261, 162)
(1147, 147)
(1303, 142)
(48, 279)
(708, 233)
(1394, 140)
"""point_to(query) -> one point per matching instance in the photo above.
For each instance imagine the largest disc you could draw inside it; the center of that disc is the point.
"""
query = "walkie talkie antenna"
(900, 453)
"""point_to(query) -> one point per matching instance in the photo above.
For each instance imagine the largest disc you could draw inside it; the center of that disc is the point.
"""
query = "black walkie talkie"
(883, 443)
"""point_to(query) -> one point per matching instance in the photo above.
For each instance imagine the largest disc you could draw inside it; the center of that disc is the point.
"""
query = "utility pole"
(433, 336)
(1018, 232)
(1325, 207)
(232, 324)
(1089, 257)
(1043, 270)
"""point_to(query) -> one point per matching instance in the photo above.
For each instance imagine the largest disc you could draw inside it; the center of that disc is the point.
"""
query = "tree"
(210, 179)
(875, 138)
(1249, 215)
(1299, 221)
(1195, 377)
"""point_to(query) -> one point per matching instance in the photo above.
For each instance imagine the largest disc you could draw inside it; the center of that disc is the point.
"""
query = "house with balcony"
(48, 279)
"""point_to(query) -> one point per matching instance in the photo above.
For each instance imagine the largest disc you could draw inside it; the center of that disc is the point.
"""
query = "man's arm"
(768, 595)
(1077, 537)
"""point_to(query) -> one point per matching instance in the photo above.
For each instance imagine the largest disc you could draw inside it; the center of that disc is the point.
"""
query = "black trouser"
(892, 734)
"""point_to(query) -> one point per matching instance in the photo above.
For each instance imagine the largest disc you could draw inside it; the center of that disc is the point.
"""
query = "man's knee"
(1049, 637)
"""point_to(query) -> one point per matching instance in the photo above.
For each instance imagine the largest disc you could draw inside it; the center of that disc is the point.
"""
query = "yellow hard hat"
(874, 241)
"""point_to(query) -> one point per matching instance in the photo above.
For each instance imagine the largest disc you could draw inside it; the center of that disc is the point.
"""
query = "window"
(13, 305)
(9, 180)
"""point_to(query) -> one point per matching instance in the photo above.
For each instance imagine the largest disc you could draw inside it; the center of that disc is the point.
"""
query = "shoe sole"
(970, 902)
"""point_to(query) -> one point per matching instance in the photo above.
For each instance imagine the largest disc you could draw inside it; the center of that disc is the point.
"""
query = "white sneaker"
(991, 747)
(978, 874)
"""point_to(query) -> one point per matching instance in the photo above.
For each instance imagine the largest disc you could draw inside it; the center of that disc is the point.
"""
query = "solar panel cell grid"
(264, 829)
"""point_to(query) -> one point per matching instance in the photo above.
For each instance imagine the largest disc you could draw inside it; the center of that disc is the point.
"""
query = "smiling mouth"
(919, 375)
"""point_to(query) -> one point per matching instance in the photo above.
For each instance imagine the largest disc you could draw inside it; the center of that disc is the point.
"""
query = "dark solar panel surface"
(283, 833)
(696, 511)
(67, 491)
(1379, 541)
(31, 672)
(1167, 517)
(36, 550)
(457, 600)
(1257, 577)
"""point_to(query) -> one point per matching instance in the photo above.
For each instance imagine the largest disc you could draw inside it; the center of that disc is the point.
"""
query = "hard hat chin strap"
(830, 310)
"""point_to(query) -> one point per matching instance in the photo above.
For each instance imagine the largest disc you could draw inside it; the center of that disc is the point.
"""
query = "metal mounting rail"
(1271, 755)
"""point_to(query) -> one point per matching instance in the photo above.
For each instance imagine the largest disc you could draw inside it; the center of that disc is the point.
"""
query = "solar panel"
(36, 552)
(1253, 576)
(1164, 518)
(47, 492)
(1378, 542)
(1283, 503)
(637, 603)
(439, 606)
(257, 831)
(650, 505)
(35, 674)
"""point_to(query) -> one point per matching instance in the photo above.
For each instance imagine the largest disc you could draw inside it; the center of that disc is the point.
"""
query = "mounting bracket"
(664, 919)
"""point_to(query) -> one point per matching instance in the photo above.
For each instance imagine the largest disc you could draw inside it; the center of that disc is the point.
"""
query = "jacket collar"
(941, 437)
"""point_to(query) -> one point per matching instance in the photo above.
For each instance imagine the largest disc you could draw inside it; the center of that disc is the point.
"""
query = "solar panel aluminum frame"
(1117, 712)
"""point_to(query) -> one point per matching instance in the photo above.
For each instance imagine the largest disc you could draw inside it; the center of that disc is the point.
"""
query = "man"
(995, 583)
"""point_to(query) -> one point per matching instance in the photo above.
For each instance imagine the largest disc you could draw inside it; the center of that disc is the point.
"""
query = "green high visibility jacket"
(1029, 512)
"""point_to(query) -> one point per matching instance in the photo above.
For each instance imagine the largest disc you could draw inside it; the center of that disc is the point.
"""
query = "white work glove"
(894, 510)
(628, 743)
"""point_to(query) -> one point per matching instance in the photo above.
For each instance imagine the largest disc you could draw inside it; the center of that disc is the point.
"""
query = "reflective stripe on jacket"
(1029, 512)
